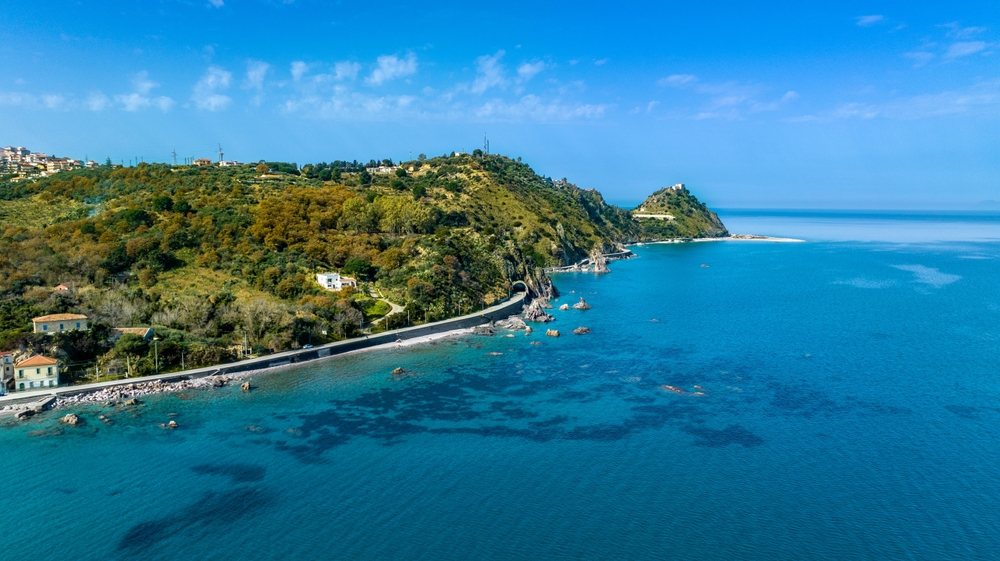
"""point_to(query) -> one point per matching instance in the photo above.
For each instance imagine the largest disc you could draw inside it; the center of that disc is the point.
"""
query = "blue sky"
(825, 105)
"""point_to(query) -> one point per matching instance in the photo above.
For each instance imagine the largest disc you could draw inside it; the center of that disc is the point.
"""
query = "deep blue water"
(850, 412)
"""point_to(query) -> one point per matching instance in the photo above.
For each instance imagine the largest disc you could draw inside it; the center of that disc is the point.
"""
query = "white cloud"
(142, 83)
(490, 73)
(163, 103)
(677, 80)
(982, 98)
(601, 62)
(256, 71)
(526, 71)
(217, 3)
(965, 48)
(54, 101)
(346, 70)
(206, 92)
(865, 21)
(919, 58)
(98, 102)
(532, 107)
(959, 32)
(651, 105)
(790, 96)
(16, 98)
(391, 67)
(133, 101)
(299, 68)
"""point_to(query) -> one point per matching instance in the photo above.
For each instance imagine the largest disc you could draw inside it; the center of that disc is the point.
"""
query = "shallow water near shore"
(850, 409)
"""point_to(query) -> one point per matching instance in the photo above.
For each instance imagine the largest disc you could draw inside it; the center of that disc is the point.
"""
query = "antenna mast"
(174, 154)
(220, 152)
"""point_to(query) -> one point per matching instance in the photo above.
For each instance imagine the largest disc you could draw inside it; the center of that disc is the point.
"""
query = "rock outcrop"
(564, 307)
(551, 333)
(535, 312)
(581, 330)
(246, 386)
(581, 305)
(71, 419)
(514, 323)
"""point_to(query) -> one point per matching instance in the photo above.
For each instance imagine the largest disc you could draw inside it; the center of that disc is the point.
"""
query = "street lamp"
(156, 353)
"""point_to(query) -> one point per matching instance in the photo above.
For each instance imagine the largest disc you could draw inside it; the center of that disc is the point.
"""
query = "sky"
(854, 105)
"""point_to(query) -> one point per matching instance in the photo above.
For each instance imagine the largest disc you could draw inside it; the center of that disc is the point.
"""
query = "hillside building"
(333, 281)
(61, 323)
(35, 373)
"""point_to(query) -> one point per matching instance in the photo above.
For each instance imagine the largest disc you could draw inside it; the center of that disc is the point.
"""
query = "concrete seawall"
(500, 311)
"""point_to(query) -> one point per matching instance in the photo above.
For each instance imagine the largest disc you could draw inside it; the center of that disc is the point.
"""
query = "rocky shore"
(142, 389)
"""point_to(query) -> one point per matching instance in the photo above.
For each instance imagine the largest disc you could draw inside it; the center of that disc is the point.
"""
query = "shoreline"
(207, 376)
(732, 238)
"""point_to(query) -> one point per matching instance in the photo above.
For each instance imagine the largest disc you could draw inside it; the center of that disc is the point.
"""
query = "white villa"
(60, 323)
(333, 281)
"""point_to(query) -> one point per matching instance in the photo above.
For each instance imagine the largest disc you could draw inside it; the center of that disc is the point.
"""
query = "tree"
(262, 168)
(365, 177)
(419, 191)
(358, 267)
(326, 174)
(422, 157)
(162, 203)
(400, 172)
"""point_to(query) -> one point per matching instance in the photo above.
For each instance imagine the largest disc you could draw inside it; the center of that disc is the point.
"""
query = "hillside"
(673, 212)
(214, 256)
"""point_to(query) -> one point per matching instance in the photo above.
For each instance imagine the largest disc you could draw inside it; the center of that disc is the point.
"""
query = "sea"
(832, 399)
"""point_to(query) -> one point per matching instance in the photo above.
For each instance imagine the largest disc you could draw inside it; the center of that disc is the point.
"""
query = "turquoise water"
(850, 411)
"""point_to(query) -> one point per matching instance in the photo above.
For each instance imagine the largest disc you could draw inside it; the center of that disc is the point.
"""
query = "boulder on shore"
(514, 323)
(71, 420)
(564, 307)
(581, 330)
(552, 333)
(581, 305)
(536, 312)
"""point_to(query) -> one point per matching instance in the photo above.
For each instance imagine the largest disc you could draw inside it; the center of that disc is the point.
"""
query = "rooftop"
(59, 317)
(37, 360)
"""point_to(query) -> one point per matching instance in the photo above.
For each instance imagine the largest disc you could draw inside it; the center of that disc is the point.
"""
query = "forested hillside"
(211, 255)
(676, 213)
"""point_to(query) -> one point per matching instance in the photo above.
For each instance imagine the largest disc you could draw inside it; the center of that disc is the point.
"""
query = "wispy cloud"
(724, 100)
(97, 101)
(216, 3)
(982, 98)
(965, 48)
(138, 99)
(299, 69)
(866, 21)
(490, 73)
(256, 72)
(346, 70)
(390, 67)
(528, 70)
(677, 80)
(206, 92)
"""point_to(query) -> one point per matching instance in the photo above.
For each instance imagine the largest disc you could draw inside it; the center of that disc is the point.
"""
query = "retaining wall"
(503, 310)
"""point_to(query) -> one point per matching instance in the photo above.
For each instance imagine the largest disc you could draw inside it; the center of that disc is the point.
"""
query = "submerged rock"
(398, 372)
(552, 333)
(71, 420)
(581, 305)
(581, 330)
(536, 312)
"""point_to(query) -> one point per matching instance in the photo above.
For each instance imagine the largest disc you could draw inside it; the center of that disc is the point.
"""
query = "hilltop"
(673, 212)
(212, 256)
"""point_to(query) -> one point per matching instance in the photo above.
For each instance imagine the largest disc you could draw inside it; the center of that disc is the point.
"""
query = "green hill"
(673, 212)
(211, 255)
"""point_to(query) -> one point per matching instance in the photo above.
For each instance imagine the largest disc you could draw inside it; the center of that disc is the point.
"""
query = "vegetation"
(690, 218)
(212, 257)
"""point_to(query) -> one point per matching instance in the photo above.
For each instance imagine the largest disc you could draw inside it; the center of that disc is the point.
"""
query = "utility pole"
(174, 154)
(156, 355)
(220, 152)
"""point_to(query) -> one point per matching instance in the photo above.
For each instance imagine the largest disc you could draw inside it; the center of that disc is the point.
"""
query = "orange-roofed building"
(61, 323)
(36, 373)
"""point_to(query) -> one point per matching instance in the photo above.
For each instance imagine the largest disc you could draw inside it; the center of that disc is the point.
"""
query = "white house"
(60, 323)
(36, 372)
(333, 281)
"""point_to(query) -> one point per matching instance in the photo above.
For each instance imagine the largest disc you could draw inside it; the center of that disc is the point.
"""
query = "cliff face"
(675, 213)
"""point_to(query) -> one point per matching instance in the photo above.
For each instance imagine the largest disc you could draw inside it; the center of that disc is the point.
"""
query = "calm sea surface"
(851, 410)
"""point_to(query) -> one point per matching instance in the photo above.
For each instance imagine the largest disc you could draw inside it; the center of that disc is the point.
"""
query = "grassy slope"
(692, 219)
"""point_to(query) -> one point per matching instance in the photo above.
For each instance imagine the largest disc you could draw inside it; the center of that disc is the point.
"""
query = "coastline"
(206, 376)
(731, 238)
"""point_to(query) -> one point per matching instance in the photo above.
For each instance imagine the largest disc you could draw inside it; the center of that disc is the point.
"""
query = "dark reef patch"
(733, 434)
(239, 473)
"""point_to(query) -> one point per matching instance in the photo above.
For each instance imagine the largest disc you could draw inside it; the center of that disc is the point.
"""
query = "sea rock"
(398, 372)
(581, 305)
(246, 387)
(513, 323)
(172, 424)
(71, 420)
(564, 307)
(551, 333)
(485, 330)
(581, 330)
(132, 402)
(527, 329)
(218, 381)
(544, 302)
(536, 312)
